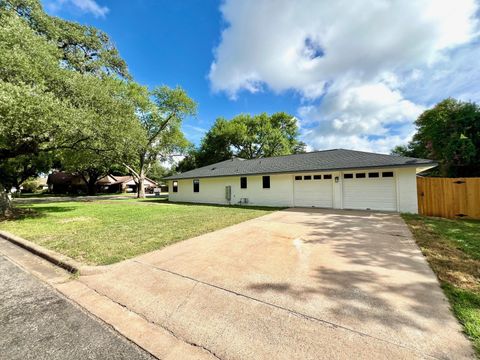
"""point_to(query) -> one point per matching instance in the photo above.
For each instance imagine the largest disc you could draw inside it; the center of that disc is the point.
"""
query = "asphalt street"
(36, 322)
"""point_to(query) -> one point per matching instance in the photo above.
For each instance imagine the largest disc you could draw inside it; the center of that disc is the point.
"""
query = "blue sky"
(352, 81)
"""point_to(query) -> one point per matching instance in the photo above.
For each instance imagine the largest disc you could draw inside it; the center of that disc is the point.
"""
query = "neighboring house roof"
(60, 178)
(106, 180)
(127, 179)
(326, 160)
(122, 179)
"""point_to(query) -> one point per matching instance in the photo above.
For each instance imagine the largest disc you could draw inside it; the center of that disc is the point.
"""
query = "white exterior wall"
(212, 191)
(407, 190)
(337, 190)
(281, 192)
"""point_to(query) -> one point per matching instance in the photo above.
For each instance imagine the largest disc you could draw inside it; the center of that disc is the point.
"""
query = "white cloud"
(361, 109)
(353, 62)
(85, 6)
(456, 75)
(194, 133)
(196, 128)
(348, 117)
(355, 142)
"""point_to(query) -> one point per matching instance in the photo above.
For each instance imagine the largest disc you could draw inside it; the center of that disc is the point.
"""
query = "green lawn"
(452, 247)
(106, 231)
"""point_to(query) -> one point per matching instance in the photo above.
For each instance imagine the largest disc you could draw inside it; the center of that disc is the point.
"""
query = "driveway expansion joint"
(290, 311)
(155, 323)
(183, 302)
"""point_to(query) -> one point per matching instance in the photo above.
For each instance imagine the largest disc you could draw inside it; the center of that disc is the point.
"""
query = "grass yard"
(452, 247)
(50, 195)
(107, 231)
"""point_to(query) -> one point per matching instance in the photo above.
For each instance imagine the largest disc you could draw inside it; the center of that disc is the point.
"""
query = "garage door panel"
(313, 193)
(375, 194)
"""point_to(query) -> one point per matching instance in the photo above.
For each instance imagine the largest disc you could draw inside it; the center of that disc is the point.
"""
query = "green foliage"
(14, 172)
(190, 160)
(84, 49)
(157, 172)
(161, 121)
(114, 138)
(403, 150)
(247, 137)
(31, 186)
(64, 90)
(450, 134)
(46, 101)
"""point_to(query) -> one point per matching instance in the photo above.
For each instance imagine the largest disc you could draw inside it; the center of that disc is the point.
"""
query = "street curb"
(55, 258)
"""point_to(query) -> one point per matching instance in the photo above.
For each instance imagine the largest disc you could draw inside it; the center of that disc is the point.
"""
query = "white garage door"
(373, 190)
(313, 190)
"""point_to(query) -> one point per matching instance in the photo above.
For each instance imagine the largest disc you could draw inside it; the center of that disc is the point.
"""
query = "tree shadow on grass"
(20, 213)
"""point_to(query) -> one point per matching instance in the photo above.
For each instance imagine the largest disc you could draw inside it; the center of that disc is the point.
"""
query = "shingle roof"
(60, 177)
(326, 160)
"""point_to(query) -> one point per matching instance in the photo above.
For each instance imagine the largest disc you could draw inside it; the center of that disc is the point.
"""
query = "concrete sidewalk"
(295, 284)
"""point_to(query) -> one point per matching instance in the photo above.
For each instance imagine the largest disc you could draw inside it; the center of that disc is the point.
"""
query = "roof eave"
(424, 166)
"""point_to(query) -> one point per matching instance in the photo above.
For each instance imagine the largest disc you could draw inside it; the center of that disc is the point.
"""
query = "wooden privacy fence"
(449, 197)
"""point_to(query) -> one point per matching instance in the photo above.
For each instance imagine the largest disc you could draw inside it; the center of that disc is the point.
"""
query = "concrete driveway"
(295, 284)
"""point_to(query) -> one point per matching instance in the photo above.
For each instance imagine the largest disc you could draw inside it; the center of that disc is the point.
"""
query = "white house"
(339, 179)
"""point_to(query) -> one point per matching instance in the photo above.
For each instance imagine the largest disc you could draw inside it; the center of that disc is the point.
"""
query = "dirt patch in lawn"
(449, 263)
(75, 219)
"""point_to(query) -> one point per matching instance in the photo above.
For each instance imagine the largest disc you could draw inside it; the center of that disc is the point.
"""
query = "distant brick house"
(115, 184)
(61, 182)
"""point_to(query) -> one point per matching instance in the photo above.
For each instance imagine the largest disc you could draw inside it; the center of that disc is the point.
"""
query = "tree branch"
(162, 127)
(129, 168)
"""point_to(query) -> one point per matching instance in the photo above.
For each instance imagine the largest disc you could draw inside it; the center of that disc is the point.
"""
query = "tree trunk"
(5, 204)
(91, 182)
(141, 178)
(92, 187)
(141, 186)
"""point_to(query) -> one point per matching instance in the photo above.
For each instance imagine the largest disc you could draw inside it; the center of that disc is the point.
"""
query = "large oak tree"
(62, 86)
(450, 134)
(248, 137)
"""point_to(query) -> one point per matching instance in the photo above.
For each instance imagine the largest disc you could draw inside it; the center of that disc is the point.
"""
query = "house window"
(307, 177)
(243, 183)
(360, 175)
(373, 175)
(317, 177)
(298, 177)
(175, 186)
(266, 182)
(387, 174)
(348, 176)
(196, 185)
(327, 177)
